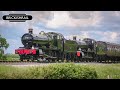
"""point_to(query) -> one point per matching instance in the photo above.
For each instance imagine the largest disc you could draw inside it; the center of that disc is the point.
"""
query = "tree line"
(3, 45)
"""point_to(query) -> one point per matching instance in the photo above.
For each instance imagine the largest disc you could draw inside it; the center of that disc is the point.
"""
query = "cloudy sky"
(98, 25)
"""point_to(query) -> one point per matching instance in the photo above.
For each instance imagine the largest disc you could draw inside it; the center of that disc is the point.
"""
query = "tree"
(3, 44)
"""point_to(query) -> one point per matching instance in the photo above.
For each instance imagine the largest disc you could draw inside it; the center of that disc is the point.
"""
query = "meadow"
(62, 71)
(10, 57)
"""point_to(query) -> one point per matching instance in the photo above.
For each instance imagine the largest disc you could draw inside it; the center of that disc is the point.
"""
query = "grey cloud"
(43, 14)
(81, 14)
(1, 15)
(110, 21)
(110, 18)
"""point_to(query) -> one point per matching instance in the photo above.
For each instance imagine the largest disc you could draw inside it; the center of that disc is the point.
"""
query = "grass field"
(107, 71)
(12, 57)
(104, 71)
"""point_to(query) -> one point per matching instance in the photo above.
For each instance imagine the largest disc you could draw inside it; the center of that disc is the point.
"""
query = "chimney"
(74, 37)
(30, 30)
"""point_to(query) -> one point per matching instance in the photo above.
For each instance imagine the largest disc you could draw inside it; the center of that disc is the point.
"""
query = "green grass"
(62, 71)
(10, 57)
(107, 71)
(9, 72)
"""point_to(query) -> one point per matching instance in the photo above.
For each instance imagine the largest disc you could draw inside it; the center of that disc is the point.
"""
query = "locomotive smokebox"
(30, 30)
(74, 37)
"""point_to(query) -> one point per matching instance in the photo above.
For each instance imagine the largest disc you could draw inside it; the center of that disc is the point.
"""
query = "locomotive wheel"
(38, 60)
(86, 60)
(50, 60)
(32, 60)
(21, 59)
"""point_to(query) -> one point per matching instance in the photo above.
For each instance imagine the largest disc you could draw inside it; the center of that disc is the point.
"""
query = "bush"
(63, 71)
(0, 56)
(3, 57)
(57, 71)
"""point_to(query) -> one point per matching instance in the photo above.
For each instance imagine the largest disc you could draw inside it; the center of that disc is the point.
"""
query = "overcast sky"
(98, 25)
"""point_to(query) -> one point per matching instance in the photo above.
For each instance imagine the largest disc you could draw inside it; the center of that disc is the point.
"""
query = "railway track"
(3, 61)
(16, 61)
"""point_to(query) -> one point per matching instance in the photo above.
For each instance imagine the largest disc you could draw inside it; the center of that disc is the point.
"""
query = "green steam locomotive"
(53, 46)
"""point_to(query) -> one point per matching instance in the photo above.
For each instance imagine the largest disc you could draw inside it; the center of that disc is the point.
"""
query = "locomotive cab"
(90, 44)
(56, 40)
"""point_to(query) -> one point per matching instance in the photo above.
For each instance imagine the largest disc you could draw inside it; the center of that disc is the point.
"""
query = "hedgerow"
(58, 71)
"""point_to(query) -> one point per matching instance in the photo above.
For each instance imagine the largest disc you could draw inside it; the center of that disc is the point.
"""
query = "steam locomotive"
(53, 46)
